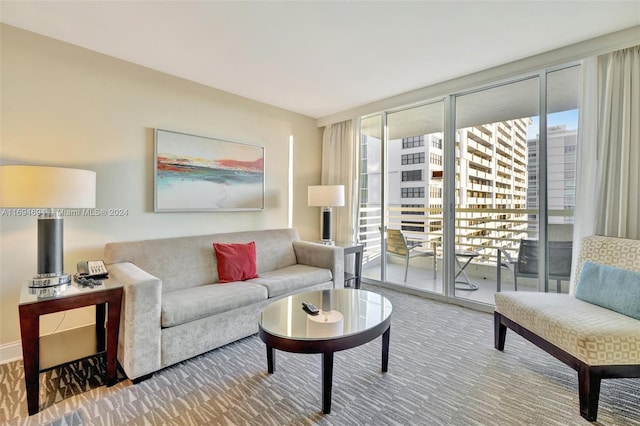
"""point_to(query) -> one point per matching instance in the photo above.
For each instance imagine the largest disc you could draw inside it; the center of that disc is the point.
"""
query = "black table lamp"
(44, 192)
(326, 196)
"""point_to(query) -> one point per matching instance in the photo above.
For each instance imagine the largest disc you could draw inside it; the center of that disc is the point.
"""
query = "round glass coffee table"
(347, 318)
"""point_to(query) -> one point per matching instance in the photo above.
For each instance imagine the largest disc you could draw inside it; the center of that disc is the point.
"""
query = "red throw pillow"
(236, 262)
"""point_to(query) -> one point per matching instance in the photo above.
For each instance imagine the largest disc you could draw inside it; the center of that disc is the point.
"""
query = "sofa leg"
(589, 392)
(499, 331)
(142, 378)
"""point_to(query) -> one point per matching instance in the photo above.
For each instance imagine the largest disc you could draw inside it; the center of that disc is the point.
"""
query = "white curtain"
(617, 193)
(338, 168)
(586, 156)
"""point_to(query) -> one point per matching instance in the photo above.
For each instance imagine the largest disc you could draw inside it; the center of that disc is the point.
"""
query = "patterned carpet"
(443, 370)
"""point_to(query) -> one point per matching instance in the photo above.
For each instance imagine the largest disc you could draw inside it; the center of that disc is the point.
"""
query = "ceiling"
(318, 58)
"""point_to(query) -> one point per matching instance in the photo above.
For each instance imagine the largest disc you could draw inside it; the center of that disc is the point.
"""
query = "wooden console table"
(108, 295)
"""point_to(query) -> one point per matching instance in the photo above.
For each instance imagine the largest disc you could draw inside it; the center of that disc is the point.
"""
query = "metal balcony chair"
(398, 244)
(526, 265)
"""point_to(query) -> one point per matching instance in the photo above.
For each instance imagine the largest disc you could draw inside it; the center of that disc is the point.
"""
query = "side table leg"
(385, 349)
(327, 381)
(358, 268)
(113, 324)
(271, 359)
(100, 331)
(30, 334)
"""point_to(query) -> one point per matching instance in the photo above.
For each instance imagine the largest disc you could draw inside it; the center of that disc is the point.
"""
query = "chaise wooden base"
(589, 377)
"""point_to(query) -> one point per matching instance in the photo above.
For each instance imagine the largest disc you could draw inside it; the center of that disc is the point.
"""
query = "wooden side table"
(108, 295)
(358, 250)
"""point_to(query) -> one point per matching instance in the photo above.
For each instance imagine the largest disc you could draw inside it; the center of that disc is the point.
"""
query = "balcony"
(480, 230)
(473, 158)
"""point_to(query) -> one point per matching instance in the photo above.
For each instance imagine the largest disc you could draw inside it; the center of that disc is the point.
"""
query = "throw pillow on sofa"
(236, 262)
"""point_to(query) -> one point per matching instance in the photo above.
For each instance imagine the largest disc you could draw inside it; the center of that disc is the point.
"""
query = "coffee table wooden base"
(327, 364)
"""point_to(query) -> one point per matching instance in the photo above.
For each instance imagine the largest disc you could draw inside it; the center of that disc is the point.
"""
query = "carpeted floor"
(443, 370)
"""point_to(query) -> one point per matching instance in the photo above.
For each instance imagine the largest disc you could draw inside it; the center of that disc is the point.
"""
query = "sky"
(568, 118)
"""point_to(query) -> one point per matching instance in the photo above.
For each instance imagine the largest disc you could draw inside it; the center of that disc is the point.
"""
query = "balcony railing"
(481, 230)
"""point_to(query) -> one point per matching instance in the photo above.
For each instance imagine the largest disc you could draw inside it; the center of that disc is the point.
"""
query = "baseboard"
(10, 352)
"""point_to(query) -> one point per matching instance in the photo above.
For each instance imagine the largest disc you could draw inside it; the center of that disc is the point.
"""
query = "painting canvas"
(195, 173)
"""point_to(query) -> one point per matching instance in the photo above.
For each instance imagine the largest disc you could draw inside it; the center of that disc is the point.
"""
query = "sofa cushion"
(193, 303)
(594, 335)
(236, 262)
(287, 280)
(612, 288)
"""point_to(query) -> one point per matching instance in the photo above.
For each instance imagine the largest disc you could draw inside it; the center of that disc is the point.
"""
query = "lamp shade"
(47, 187)
(326, 195)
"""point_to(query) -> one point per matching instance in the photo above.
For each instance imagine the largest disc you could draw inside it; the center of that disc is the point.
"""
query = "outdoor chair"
(526, 265)
(398, 244)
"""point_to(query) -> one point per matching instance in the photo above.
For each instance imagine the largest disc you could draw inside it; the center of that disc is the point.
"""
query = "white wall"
(66, 106)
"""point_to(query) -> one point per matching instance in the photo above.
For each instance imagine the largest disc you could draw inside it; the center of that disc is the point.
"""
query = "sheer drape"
(617, 194)
(586, 156)
(338, 168)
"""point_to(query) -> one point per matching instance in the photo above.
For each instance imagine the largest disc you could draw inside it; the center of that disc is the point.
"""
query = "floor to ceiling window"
(370, 207)
(496, 160)
(491, 166)
(413, 213)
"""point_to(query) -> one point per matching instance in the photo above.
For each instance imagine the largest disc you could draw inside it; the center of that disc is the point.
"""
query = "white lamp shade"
(47, 187)
(326, 195)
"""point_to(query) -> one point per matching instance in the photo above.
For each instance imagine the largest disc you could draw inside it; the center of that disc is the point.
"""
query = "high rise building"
(491, 174)
(496, 183)
(561, 173)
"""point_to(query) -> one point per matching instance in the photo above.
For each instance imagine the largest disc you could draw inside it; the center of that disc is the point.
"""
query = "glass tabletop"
(343, 312)
(32, 295)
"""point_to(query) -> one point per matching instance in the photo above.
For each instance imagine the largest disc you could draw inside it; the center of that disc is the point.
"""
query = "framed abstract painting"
(196, 173)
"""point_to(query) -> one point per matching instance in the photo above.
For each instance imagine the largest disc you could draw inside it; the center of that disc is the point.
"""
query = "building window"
(435, 191)
(436, 142)
(413, 212)
(416, 158)
(412, 142)
(417, 192)
(411, 175)
(435, 159)
(413, 228)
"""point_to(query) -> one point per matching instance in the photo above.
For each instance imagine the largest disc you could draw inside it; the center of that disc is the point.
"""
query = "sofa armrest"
(139, 338)
(322, 256)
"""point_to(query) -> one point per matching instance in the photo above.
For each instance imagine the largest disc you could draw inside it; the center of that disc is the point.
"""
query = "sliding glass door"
(492, 210)
(370, 212)
(400, 218)
(454, 190)
(412, 219)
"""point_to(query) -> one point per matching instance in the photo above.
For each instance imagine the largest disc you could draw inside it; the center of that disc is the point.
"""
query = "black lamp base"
(50, 252)
(326, 226)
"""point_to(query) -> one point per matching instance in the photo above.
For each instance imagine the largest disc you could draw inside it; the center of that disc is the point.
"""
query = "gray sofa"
(174, 308)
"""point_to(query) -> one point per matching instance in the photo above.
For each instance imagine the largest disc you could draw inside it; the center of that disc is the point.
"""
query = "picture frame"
(201, 174)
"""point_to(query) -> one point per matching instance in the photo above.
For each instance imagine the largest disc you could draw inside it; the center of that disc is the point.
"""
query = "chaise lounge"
(598, 342)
